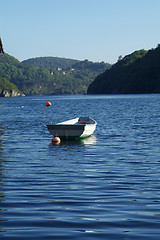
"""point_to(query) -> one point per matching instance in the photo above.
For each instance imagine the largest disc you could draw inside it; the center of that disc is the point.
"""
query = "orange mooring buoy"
(47, 104)
(56, 140)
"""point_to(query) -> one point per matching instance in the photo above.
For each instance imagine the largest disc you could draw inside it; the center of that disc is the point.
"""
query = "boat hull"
(77, 128)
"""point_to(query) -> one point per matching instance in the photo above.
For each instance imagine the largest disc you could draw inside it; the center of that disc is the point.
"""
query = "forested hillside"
(37, 80)
(67, 64)
(138, 72)
(51, 62)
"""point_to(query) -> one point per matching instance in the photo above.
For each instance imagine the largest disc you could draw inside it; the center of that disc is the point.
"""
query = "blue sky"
(97, 30)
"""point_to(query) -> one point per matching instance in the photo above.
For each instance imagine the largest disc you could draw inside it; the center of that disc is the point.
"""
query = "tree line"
(41, 76)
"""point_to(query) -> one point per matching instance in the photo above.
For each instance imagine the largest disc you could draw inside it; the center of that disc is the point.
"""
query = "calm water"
(104, 187)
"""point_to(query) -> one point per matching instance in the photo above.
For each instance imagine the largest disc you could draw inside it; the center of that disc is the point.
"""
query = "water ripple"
(103, 187)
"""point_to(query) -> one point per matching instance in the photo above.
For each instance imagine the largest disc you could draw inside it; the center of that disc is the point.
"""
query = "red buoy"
(56, 140)
(47, 104)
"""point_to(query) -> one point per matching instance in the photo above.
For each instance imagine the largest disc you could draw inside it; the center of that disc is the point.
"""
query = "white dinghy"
(75, 128)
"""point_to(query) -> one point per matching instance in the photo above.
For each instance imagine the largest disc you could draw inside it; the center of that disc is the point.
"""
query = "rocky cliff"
(10, 93)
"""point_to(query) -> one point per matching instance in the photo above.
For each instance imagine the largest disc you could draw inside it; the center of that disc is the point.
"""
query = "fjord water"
(103, 187)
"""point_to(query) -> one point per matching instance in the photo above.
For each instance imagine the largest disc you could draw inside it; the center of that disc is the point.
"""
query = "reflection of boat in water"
(81, 127)
(91, 140)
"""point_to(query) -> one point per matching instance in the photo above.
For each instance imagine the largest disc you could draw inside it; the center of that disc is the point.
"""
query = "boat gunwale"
(78, 122)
